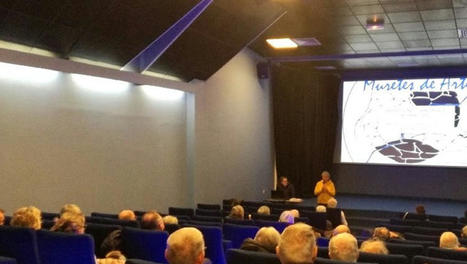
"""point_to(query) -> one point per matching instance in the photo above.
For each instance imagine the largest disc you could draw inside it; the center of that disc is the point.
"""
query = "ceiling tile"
(454, 59)
(370, 51)
(459, 3)
(439, 25)
(417, 44)
(426, 60)
(367, 9)
(460, 12)
(440, 34)
(452, 42)
(439, 14)
(357, 38)
(390, 45)
(413, 35)
(363, 18)
(384, 37)
(343, 11)
(402, 17)
(363, 46)
(461, 23)
(361, 2)
(352, 30)
(349, 21)
(433, 4)
(399, 7)
(406, 27)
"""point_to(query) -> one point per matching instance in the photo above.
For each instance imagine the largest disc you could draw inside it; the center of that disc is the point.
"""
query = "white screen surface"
(405, 122)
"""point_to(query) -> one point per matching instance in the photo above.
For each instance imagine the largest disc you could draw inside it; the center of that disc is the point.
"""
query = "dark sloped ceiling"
(114, 31)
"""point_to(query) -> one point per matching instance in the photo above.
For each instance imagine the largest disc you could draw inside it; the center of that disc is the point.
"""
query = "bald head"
(297, 244)
(268, 237)
(343, 247)
(185, 246)
(374, 247)
(152, 221)
(448, 240)
(128, 215)
(340, 229)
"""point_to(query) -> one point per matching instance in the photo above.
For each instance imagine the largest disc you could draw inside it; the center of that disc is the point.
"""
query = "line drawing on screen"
(404, 122)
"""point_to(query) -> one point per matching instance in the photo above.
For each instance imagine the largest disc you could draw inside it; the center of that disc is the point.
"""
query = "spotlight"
(375, 23)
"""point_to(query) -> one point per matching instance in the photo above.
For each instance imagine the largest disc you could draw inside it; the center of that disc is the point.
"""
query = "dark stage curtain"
(305, 110)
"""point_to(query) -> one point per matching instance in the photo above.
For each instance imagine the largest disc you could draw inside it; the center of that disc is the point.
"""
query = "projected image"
(407, 122)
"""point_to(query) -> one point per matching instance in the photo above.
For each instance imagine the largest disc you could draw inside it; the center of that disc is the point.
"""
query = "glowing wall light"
(160, 93)
(26, 74)
(99, 84)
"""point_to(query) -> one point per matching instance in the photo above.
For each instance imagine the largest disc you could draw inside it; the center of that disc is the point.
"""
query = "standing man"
(324, 189)
(286, 188)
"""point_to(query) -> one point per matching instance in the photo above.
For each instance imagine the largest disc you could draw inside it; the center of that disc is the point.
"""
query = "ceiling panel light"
(282, 43)
(375, 23)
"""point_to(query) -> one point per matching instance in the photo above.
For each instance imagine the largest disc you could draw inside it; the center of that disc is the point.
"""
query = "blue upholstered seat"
(405, 249)
(19, 243)
(332, 261)
(239, 256)
(430, 260)
(177, 211)
(437, 252)
(5, 260)
(59, 248)
(238, 233)
(279, 226)
(144, 244)
(99, 232)
(383, 259)
(213, 242)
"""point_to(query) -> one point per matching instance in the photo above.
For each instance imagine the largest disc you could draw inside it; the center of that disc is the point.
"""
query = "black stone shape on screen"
(447, 98)
(407, 151)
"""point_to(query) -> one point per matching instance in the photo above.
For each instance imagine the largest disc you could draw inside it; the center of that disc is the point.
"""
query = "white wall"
(106, 149)
(233, 157)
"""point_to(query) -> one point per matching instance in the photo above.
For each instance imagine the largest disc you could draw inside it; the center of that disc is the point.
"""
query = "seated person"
(266, 240)
(170, 220)
(286, 188)
(381, 233)
(2, 217)
(295, 213)
(70, 222)
(287, 217)
(341, 229)
(70, 208)
(152, 221)
(127, 215)
(449, 240)
(237, 212)
(27, 217)
(321, 209)
(343, 247)
(332, 203)
(264, 210)
(185, 245)
(464, 232)
(374, 247)
(113, 257)
(297, 244)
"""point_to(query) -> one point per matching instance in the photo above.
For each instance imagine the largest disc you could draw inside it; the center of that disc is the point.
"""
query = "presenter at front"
(324, 189)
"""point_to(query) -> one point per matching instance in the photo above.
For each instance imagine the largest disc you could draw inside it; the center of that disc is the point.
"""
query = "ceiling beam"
(148, 56)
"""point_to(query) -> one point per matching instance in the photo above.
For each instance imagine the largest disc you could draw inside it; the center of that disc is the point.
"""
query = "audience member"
(321, 209)
(340, 229)
(170, 220)
(237, 212)
(127, 215)
(374, 247)
(449, 240)
(27, 217)
(71, 208)
(381, 233)
(343, 247)
(332, 203)
(295, 213)
(2, 217)
(464, 232)
(287, 217)
(70, 222)
(185, 246)
(152, 221)
(286, 188)
(264, 210)
(324, 189)
(113, 257)
(329, 230)
(420, 209)
(297, 245)
(266, 240)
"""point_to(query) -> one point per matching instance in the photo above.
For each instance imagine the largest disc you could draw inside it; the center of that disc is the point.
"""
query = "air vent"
(307, 42)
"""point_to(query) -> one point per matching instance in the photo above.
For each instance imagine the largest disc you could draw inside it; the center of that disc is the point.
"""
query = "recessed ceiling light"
(375, 23)
(282, 43)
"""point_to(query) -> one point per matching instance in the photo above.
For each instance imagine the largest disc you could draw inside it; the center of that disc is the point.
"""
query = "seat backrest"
(170, 228)
(383, 259)
(414, 242)
(209, 206)
(144, 244)
(203, 223)
(443, 218)
(317, 220)
(176, 211)
(59, 248)
(239, 221)
(217, 219)
(110, 221)
(414, 216)
(239, 256)
(437, 252)
(49, 216)
(430, 260)
(5, 260)
(412, 236)
(279, 226)
(271, 217)
(213, 242)
(97, 214)
(400, 228)
(405, 249)
(332, 261)
(427, 230)
(208, 212)
(99, 232)
(334, 215)
(19, 243)
(238, 233)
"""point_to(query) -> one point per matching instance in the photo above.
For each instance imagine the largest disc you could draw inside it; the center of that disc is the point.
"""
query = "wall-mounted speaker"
(262, 69)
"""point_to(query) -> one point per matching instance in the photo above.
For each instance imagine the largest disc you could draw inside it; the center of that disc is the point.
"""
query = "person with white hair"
(332, 203)
(185, 246)
(297, 245)
(464, 232)
(264, 210)
(340, 229)
(343, 247)
(321, 209)
(449, 240)
(374, 247)
(287, 217)
(266, 240)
